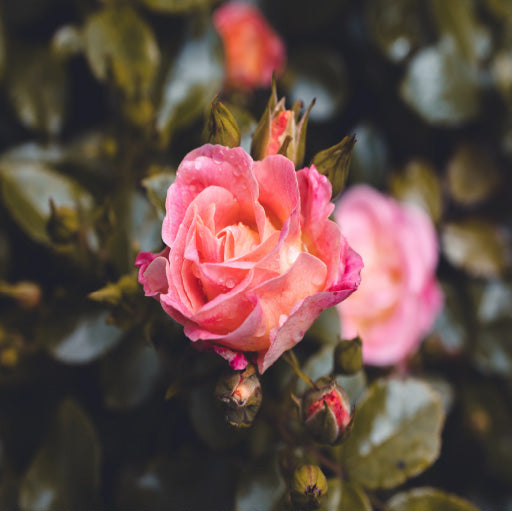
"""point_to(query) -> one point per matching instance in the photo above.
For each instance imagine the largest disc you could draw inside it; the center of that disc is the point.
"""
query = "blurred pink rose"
(252, 258)
(252, 49)
(399, 297)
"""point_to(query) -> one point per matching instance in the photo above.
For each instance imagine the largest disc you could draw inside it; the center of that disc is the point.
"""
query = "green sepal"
(334, 163)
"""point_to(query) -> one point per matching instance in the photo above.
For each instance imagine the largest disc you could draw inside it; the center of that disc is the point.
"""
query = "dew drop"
(262, 329)
(230, 283)
(236, 171)
(317, 279)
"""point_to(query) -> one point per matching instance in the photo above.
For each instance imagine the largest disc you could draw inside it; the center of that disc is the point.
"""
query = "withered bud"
(308, 486)
(240, 395)
(348, 357)
(326, 412)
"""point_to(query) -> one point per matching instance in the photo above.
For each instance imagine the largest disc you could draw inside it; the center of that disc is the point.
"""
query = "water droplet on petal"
(317, 279)
(292, 254)
(230, 283)
(262, 329)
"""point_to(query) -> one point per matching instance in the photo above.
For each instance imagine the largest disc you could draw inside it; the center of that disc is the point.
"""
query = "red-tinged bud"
(240, 395)
(326, 412)
(309, 485)
(280, 131)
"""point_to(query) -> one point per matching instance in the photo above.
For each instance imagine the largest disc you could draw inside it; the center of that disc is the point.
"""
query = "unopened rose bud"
(326, 412)
(348, 357)
(221, 127)
(240, 394)
(280, 131)
(63, 224)
(308, 486)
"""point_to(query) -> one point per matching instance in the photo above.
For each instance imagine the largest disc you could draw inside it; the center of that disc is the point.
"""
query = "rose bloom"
(399, 297)
(252, 49)
(252, 258)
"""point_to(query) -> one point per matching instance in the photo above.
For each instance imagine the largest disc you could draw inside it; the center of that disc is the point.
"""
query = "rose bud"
(348, 356)
(308, 486)
(252, 48)
(280, 131)
(326, 412)
(240, 394)
(221, 127)
(400, 297)
(63, 224)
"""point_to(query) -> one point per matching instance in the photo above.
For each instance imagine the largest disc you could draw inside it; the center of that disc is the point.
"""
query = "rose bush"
(399, 297)
(251, 258)
(252, 48)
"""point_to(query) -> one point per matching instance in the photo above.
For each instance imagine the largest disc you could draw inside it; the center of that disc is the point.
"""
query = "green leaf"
(494, 301)
(208, 420)
(472, 174)
(156, 186)
(440, 87)
(369, 163)
(64, 474)
(40, 108)
(396, 433)
(477, 246)
(78, 339)
(130, 373)
(492, 350)
(334, 163)
(428, 498)
(458, 20)
(353, 497)
(146, 228)
(26, 190)
(397, 27)
(192, 81)
(317, 74)
(189, 479)
(261, 485)
(177, 6)
(488, 415)
(120, 44)
(419, 184)
(221, 127)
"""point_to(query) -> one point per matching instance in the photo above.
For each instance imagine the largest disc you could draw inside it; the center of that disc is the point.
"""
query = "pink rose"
(252, 258)
(399, 297)
(253, 50)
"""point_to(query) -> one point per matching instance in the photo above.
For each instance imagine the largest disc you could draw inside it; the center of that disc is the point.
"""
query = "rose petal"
(212, 165)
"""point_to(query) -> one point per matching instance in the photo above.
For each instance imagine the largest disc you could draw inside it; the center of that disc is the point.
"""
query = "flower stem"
(292, 360)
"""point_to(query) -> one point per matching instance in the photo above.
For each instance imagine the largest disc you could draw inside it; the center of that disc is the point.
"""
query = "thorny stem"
(292, 360)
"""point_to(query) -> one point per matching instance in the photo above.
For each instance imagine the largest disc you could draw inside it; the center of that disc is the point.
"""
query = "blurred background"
(102, 402)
